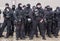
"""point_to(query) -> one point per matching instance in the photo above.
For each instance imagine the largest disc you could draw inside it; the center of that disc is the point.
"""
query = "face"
(39, 6)
(33, 7)
(6, 6)
(23, 8)
(45, 8)
(13, 6)
(20, 5)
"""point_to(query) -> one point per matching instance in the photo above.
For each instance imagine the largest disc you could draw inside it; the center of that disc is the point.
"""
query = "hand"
(41, 21)
(15, 21)
(29, 19)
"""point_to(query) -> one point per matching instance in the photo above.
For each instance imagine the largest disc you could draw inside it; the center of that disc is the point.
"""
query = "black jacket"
(8, 14)
(18, 14)
(38, 14)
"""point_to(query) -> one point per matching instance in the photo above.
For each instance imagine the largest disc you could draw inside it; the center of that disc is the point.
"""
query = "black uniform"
(19, 19)
(28, 21)
(7, 21)
(49, 17)
(0, 23)
(34, 21)
(12, 20)
(38, 16)
(56, 15)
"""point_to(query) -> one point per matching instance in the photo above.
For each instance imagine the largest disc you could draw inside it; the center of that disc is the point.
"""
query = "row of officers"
(29, 21)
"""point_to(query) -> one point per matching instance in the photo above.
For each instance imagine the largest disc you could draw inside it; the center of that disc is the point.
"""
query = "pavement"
(27, 39)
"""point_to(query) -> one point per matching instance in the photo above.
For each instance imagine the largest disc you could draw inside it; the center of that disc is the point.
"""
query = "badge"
(29, 19)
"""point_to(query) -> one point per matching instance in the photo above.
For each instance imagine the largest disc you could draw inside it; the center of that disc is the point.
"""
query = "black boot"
(30, 38)
(49, 36)
(56, 36)
(22, 38)
(1, 35)
(37, 36)
(17, 39)
(6, 36)
(44, 38)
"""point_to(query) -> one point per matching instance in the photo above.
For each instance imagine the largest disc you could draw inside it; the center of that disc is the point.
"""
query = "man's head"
(48, 7)
(23, 7)
(6, 5)
(58, 8)
(28, 5)
(38, 5)
(13, 7)
(20, 5)
(33, 7)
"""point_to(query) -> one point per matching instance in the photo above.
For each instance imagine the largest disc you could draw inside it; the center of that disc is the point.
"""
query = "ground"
(27, 39)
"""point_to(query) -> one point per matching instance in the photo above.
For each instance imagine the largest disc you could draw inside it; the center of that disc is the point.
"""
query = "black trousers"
(12, 27)
(35, 28)
(29, 30)
(41, 27)
(49, 28)
(55, 28)
(7, 23)
(20, 32)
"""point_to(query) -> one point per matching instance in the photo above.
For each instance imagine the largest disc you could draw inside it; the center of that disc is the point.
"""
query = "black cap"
(38, 4)
(57, 7)
(28, 4)
(13, 5)
(7, 4)
(47, 6)
(20, 4)
(24, 6)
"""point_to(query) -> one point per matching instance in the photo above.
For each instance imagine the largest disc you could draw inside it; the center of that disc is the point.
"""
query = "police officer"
(39, 20)
(34, 21)
(49, 17)
(19, 22)
(0, 24)
(55, 22)
(28, 21)
(7, 20)
(12, 20)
